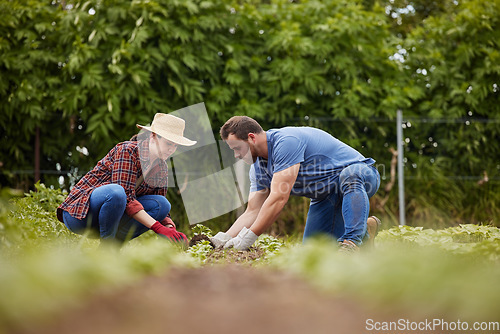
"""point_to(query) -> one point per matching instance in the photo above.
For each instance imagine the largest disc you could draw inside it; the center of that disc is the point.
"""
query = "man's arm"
(281, 186)
(255, 201)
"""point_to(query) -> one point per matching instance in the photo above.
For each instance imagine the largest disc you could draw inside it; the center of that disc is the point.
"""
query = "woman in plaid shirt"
(124, 195)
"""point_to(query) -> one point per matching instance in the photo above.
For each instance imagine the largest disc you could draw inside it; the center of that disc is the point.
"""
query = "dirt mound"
(199, 238)
(224, 256)
(213, 299)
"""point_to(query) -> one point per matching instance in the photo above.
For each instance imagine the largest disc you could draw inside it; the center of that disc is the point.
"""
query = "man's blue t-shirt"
(321, 156)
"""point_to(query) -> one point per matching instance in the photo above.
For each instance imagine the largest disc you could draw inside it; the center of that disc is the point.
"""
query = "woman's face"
(161, 147)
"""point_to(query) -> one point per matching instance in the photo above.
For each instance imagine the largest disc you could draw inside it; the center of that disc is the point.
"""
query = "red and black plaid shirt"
(122, 165)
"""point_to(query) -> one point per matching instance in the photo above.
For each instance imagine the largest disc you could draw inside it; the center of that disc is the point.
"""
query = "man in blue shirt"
(301, 161)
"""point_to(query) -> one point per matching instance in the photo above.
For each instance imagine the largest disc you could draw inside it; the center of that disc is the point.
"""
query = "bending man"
(302, 161)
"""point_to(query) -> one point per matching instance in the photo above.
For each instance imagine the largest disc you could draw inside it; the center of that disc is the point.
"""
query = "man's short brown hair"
(240, 126)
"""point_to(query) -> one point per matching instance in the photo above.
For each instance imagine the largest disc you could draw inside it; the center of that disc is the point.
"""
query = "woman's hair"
(144, 135)
(240, 126)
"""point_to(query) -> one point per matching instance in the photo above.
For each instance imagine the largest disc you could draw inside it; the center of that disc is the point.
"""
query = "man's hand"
(243, 240)
(220, 239)
(169, 232)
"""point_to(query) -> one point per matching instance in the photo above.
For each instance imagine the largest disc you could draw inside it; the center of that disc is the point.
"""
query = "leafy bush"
(32, 219)
(471, 240)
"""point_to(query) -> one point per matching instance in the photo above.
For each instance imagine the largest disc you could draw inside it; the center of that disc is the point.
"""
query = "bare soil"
(234, 299)
(198, 238)
(225, 256)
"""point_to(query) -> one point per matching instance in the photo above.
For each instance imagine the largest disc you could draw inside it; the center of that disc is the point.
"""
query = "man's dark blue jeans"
(343, 213)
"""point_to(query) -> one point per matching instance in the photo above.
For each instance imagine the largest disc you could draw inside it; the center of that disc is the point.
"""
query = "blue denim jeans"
(107, 214)
(344, 212)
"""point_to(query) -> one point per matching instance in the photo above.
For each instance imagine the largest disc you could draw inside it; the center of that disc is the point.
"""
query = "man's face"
(242, 149)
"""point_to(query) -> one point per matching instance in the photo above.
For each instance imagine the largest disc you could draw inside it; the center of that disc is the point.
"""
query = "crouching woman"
(123, 196)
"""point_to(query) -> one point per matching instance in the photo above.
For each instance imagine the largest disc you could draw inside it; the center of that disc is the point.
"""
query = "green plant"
(45, 268)
(47, 198)
(263, 249)
(270, 245)
(471, 240)
(451, 272)
(200, 229)
(33, 219)
(42, 279)
(201, 250)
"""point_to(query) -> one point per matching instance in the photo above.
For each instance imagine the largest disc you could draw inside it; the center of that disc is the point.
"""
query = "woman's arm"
(168, 231)
(144, 218)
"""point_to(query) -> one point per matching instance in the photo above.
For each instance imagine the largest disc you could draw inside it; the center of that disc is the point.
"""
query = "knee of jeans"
(116, 191)
(350, 176)
(164, 206)
(74, 225)
(371, 188)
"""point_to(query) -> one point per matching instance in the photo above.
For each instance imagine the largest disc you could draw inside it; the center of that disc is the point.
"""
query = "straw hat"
(169, 127)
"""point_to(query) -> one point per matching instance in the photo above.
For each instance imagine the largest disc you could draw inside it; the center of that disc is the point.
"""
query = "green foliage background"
(85, 72)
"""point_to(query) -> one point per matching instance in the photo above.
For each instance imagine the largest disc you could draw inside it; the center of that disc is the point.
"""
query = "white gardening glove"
(220, 239)
(243, 240)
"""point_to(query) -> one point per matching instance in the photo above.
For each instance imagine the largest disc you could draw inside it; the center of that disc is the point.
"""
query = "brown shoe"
(348, 247)
(372, 227)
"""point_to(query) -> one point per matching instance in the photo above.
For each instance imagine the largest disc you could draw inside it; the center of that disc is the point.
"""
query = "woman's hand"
(169, 232)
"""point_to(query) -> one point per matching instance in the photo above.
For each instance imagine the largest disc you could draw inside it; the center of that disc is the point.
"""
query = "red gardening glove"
(169, 232)
(168, 222)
